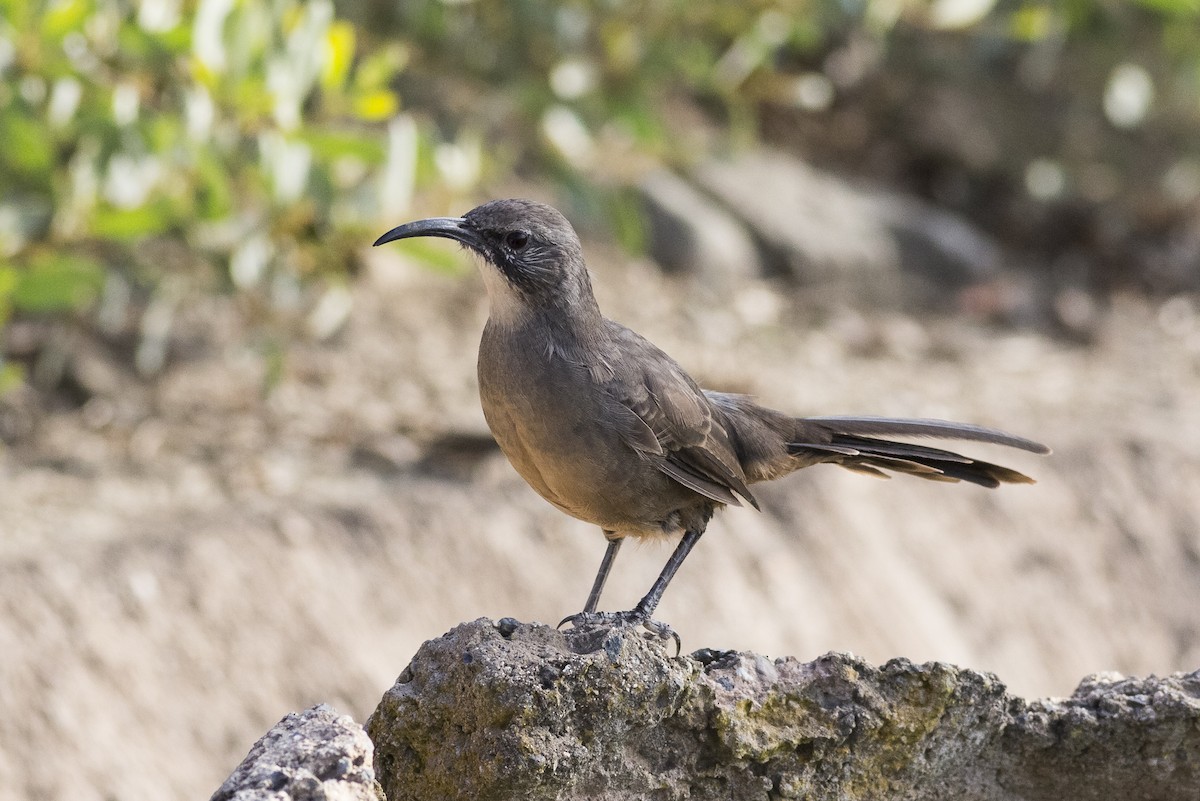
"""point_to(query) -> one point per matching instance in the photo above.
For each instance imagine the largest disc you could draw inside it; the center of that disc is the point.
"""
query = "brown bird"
(611, 430)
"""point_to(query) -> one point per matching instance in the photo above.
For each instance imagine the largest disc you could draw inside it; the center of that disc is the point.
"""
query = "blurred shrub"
(588, 79)
(1066, 129)
(157, 148)
(152, 149)
(582, 82)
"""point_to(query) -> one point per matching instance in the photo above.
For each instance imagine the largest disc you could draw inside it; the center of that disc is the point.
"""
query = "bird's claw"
(632, 618)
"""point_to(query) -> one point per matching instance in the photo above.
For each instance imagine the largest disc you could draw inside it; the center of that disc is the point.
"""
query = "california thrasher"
(611, 430)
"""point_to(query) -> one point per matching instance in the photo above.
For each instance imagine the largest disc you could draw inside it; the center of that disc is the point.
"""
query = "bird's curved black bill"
(446, 227)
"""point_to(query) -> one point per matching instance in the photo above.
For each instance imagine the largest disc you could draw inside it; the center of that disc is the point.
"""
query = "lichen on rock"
(511, 710)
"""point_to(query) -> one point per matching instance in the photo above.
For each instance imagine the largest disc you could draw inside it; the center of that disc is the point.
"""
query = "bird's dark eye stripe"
(517, 239)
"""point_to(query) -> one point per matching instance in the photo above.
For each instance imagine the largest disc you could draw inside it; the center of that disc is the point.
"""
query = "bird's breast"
(548, 415)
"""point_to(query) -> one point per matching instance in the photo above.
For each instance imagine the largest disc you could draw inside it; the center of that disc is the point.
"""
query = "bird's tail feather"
(861, 444)
(939, 429)
(852, 443)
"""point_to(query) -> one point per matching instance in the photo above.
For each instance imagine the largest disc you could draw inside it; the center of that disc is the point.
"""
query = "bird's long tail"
(854, 443)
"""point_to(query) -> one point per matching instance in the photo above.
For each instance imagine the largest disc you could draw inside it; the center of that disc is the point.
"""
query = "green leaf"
(27, 148)
(130, 224)
(625, 213)
(376, 105)
(214, 187)
(330, 144)
(64, 17)
(379, 68)
(58, 282)
(1178, 8)
(9, 278)
(436, 256)
(1032, 23)
(339, 44)
(12, 375)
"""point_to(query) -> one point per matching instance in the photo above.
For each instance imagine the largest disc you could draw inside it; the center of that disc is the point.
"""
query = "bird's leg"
(593, 600)
(610, 555)
(640, 614)
(649, 603)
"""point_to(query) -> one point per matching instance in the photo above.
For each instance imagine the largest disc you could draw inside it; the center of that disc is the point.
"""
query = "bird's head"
(531, 254)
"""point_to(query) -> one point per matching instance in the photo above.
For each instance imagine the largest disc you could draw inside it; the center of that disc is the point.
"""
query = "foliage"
(254, 134)
(150, 145)
(585, 80)
(1022, 114)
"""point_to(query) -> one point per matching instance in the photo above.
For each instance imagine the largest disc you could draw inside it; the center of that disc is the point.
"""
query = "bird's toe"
(590, 622)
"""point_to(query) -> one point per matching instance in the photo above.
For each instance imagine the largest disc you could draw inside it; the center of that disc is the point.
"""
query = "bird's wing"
(662, 413)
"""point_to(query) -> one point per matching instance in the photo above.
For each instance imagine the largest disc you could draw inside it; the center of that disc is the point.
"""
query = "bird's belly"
(583, 467)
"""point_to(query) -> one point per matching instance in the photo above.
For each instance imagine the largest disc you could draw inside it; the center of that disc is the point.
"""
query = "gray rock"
(935, 243)
(687, 232)
(316, 755)
(820, 227)
(814, 225)
(525, 711)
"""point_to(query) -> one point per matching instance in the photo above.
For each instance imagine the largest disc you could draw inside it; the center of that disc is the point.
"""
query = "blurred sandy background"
(269, 494)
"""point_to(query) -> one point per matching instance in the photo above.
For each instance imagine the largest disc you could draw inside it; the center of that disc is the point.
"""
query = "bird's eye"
(517, 240)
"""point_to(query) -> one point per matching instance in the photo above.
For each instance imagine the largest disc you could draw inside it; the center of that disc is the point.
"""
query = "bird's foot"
(605, 621)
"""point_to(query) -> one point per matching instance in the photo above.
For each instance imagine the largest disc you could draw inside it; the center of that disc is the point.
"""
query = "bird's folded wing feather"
(663, 413)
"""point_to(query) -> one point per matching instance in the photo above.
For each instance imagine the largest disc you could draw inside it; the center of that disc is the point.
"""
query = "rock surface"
(690, 233)
(820, 228)
(510, 710)
(315, 755)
